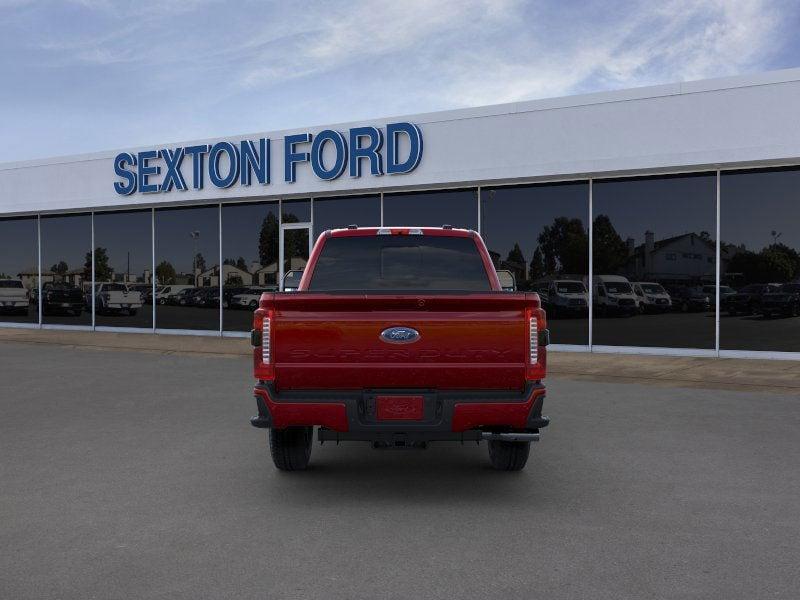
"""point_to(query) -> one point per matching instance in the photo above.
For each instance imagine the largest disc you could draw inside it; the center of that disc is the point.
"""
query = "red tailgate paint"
(322, 341)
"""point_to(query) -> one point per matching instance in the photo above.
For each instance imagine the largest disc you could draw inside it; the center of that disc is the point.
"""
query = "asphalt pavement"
(136, 475)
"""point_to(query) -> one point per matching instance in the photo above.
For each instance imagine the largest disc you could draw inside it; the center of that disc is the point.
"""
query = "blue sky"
(88, 75)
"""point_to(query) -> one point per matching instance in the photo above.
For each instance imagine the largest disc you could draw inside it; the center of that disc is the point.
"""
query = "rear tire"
(509, 456)
(291, 447)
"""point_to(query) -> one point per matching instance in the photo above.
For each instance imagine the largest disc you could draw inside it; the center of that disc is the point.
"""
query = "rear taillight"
(261, 338)
(538, 338)
(265, 340)
(533, 338)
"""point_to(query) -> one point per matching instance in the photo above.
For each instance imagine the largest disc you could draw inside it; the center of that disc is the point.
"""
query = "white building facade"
(707, 171)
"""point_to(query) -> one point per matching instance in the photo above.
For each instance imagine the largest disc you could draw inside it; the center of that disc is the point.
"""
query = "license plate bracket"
(400, 407)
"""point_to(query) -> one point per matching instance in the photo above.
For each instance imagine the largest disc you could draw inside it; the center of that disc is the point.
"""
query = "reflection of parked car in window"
(163, 296)
(249, 298)
(228, 292)
(564, 297)
(748, 299)
(112, 298)
(61, 297)
(783, 301)
(725, 294)
(182, 297)
(14, 298)
(207, 297)
(689, 299)
(145, 289)
(651, 297)
(613, 295)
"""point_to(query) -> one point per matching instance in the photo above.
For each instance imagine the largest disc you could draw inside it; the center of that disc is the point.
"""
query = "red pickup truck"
(400, 336)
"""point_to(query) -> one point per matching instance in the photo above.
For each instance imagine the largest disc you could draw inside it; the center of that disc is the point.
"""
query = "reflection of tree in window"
(165, 273)
(102, 270)
(268, 241)
(199, 262)
(775, 263)
(610, 250)
(564, 246)
(515, 262)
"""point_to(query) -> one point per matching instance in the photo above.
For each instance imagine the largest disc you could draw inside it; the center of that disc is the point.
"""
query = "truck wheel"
(509, 456)
(291, 447)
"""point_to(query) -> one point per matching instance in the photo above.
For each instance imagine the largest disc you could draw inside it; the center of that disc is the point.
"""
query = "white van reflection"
(651, 297)
(614, 295)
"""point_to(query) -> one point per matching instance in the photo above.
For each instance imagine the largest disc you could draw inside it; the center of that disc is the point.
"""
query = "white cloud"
(362, 31)
(464, 53)
(659, 43)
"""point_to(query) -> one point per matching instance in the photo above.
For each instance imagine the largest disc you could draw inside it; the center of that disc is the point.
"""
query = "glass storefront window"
(123, 265)
(187, 268)
(296, 211)
(458, 208)
(250, 260)
(19, 270)
(540, 233)
(66, 269)
(760, 260)
(333, 213)
(654, 260)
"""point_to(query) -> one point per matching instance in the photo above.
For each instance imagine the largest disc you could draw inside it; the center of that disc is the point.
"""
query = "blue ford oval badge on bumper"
(400, 335)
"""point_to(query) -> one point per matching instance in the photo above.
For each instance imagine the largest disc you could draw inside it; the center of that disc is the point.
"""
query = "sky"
(90, 75)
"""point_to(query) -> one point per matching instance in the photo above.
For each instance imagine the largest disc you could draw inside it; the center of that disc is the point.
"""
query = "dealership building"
(661, 220)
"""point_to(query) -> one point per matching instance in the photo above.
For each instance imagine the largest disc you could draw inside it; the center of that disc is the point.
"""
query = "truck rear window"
(399, 263)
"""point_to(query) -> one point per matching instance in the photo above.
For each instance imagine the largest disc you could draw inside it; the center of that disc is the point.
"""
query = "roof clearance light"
(384, 231)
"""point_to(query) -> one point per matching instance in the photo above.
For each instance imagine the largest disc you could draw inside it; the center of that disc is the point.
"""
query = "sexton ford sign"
(225, 164)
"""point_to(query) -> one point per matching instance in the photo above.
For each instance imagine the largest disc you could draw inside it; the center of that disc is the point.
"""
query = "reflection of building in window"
(673, 259)
(29, 277)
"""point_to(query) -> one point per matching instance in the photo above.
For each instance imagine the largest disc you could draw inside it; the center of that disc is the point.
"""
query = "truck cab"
(399, 337)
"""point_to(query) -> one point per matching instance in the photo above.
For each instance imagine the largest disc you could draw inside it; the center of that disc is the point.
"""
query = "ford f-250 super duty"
(400, 336)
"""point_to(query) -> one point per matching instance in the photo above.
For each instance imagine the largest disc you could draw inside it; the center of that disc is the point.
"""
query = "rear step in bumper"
(414, 439)
(510, 437)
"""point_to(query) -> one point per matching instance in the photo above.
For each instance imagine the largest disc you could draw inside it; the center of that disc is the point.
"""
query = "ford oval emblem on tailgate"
(400, 335)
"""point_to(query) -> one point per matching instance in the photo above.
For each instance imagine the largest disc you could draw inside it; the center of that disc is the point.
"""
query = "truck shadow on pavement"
(438, 475)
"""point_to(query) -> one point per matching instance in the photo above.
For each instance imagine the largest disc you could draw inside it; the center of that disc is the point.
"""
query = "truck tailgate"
(466, 340)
